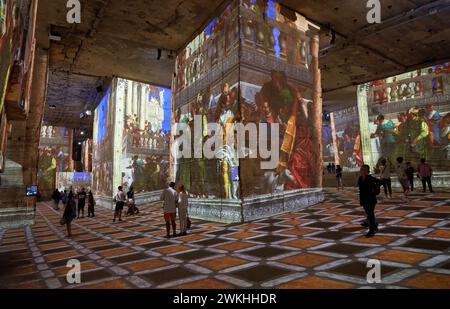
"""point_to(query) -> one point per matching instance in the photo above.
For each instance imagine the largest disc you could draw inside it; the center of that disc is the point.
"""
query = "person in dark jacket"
(91, 205)
(369, 187)
(56, 197)
(70, 213)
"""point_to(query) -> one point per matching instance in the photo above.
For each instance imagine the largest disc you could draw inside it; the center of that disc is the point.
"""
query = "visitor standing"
(369, 188)
(170, 198)
(119, 199)
(69, 214)
(385, 177)
(56, 197)
(339, 179)
(183, 210)
(402, 178)
(132, 209)
(425, 172)
(91, 205)
(81, 202)
(64, 198)
(410, 174)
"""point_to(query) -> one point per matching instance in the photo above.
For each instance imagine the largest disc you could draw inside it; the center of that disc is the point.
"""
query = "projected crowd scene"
(409, 117)
(341, 139)
(132, 137)
(54, 156)
(252, 70)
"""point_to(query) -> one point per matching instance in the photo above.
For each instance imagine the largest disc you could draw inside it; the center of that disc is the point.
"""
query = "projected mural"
(131, 138)
(102, 163)
(341, 139)
(73, 181)
(251, 64)
(54, 156)
(146, 135)
(408, 116)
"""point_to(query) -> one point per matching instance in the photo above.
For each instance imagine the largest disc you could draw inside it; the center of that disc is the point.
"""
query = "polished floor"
(319, 247)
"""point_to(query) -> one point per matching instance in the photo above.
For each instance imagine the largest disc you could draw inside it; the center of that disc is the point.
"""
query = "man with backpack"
(369, 188)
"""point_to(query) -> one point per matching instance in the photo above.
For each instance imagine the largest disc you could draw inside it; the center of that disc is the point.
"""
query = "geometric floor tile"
(294, 247)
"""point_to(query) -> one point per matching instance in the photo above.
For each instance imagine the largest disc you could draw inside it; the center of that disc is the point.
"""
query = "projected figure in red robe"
(301, 164)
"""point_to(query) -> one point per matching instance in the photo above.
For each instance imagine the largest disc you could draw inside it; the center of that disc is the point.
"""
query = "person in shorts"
(119, 199)
(170, 197)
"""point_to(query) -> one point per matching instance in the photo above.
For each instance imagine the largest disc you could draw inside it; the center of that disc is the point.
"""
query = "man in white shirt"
(170, 197)
(119, 199)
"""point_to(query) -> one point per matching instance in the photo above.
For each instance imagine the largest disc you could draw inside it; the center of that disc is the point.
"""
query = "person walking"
(402, 178)
(81, 202)
(132, 209)
(170, 198)
(410, 174)
(369, 188)
(56, 197)
(70, 213)
(91, 204)
(385, 177)
(425, 172)
(339, 179)
(119, 199)
(183, 209)
(64, 198)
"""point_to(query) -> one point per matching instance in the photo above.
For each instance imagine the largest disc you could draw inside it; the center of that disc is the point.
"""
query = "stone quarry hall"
(224, 144)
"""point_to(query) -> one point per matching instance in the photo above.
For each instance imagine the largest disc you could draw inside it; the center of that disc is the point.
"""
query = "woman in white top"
(182, 209)
(385, 176)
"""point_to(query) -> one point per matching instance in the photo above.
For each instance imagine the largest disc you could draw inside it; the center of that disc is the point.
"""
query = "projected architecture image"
(131, 140)
(255, 63)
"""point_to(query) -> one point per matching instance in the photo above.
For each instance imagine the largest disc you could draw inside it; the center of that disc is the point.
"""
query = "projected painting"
(131, 138)
(341, 139)
(145, 135)
(408, 116)
(102, 164)
(73, 181)
(251, 64)
(54, 155)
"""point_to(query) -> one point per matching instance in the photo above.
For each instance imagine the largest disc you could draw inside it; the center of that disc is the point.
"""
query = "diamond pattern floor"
(319, 247)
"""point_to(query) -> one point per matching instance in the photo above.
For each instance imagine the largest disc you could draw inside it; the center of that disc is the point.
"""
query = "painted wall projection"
(131, 138)
(54, 156)
(341, 139)
(408, 116)
(103, 150)
(252, 64)
(73, 181)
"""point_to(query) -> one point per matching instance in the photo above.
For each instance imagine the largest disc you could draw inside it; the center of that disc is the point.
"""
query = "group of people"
(74, 205)
(369, 186)
(122, 199)
(173, 199)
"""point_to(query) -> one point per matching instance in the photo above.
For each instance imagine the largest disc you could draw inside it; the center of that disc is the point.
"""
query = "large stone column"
(316, 108)
(34, 119)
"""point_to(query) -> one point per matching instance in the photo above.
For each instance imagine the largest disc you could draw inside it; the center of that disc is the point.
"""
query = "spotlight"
(88, 112)
(82, 132)
(82, 115)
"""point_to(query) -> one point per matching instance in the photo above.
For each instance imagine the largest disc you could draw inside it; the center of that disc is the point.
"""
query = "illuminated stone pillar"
(34, 119)
(316, 108)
